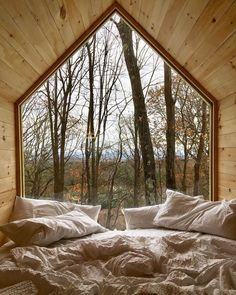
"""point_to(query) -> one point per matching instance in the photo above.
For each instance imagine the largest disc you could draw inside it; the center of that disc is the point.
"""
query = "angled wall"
(227, 148)
(7, 160)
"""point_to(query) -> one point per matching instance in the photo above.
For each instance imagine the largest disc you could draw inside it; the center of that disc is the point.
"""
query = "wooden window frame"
(117, 8)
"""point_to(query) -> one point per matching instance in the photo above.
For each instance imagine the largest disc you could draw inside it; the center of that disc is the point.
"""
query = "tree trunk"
(200, 151)
(54, 117)
(170, 130)
(92, 180)
(140, 112)
(136, 166)
(183, 181)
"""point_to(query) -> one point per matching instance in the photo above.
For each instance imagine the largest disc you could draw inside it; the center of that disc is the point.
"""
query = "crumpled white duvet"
(177, 263)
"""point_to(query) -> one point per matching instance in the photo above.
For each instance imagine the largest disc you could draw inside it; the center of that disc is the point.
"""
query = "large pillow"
(43, 231)
(141, 217)
(196, 214)
(29, 208)
(171, 194)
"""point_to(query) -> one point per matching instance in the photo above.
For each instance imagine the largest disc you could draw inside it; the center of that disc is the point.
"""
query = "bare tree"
(140, 114)
(200, 150)
(188, 129)
(103, 74)
(62, 92)
(170, 129)
(37, 152)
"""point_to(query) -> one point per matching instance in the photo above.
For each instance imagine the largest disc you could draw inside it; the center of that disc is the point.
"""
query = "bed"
(134, 261)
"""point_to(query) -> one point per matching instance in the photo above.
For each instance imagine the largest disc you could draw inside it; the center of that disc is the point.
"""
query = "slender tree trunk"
(58, 183)
(112, 183)
(140, 112)
(82, 178)
(87, 165)
(136, 166)
(170, 130)
(92, 179)
(200, 151)
(183, 182)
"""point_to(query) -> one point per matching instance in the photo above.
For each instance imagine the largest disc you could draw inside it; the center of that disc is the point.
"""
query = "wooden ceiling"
(37, 35)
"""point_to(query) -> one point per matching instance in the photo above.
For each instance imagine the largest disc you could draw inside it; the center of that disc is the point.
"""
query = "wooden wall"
(7, 160)
(227, 147)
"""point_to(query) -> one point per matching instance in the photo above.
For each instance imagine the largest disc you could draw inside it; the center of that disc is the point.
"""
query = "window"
(115, 126)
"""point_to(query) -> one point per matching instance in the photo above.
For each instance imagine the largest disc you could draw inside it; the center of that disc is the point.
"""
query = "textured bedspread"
(179, 263)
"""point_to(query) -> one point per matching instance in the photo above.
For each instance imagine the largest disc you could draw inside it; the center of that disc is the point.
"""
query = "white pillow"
(29, 208)
(43, 231)
(176, 194)
(141, 217)
(196, 214)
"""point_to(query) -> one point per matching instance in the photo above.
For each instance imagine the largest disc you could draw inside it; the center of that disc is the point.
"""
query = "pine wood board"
(7, 143)
(227, 154)
(12, 78)
(75, 18)
(15, 61)
(227, 140)
(227, 101)
(43, 17)
(132, 7)
(227, 114)
(227, 70)
(170, 22)
(158, 13)
(228, 181)
(222, 26)
(6, 116)
(59, 14)
(7, 163)
(6, 130)
(224, 88)
(222, 54)
(179, 42)
(7, 92)
(7, 169)
(204, 37)
(30, 28)
(13, 34)
(5, 104)
(227, 167)
(6, 205)
(7, 184)
(86, 11)
(227, 127)
(226, 193)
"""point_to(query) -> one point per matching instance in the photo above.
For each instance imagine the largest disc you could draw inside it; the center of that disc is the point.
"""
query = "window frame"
(209, 99)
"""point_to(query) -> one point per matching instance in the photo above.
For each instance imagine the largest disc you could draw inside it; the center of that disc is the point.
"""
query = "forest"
(115, 126)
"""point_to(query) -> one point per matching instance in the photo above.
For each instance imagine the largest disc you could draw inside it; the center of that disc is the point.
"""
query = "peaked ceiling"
(36, 36)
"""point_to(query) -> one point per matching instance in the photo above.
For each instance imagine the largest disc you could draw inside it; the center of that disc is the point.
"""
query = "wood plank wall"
(227, 147)
(7, 160)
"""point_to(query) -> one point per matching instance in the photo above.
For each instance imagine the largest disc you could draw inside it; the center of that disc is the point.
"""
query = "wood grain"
(7, 160)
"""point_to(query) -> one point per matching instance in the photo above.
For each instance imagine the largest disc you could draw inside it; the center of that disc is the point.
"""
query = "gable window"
(115, 126)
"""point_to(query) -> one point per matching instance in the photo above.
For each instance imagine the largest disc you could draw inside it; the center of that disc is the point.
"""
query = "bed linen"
(152, 261)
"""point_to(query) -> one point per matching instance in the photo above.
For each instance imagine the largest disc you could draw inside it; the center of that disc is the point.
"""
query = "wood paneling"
(6, 204)
(34, 34)
(7, 160)
(200, 35)
(226, 193)
(227, 148)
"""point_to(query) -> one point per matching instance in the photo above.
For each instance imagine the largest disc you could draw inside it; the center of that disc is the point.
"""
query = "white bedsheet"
(130, 262)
